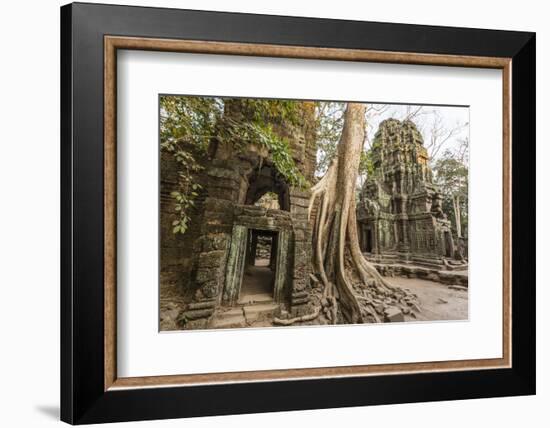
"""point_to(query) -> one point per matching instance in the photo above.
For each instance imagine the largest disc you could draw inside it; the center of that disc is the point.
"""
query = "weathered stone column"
(299, 203)
(273, 255)
(253, 248)
(213, 246)
(375, 236)
(235, 264)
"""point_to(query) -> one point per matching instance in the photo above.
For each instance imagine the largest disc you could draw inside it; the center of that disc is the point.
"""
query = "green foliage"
(366, 165)
(329, 125)
(188, 125)
(264, 112)
(192, 120)
(451, 174)
(377, 142)
(261, 134)
(186, 128)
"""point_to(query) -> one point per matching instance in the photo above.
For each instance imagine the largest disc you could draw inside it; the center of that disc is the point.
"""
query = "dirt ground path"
(437, 301)
(257, 279)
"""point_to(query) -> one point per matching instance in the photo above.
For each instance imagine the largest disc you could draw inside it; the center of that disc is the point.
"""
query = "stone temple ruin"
(241, 263)
(214, 266)
(401, 225)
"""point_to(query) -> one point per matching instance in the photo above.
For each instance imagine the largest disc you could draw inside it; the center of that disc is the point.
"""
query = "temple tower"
(400, 217)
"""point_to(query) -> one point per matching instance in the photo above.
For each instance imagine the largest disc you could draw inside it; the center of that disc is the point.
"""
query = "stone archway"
(264, 179)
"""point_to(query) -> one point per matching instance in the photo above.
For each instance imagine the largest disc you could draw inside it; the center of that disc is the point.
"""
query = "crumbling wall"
(176, 250)
(198, 261)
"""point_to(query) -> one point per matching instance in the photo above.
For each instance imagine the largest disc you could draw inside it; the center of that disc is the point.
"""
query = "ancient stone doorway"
(368, 243)
(259, 271)
(257, 264)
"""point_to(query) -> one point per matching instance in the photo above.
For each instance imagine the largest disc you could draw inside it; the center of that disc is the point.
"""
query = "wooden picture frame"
(91, 390)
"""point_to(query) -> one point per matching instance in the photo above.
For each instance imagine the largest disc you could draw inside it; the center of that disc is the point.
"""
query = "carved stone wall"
(207, 261)
(400, 216)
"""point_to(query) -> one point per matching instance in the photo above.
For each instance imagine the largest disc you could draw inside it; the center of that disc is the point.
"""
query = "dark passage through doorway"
(261, 258)
(368, 248)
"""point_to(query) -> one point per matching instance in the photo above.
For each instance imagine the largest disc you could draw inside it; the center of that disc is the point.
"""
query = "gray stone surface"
(206, 266)
(393, 314)
(400, 217)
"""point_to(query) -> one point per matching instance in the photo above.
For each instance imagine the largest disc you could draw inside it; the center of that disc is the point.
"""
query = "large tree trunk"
(353, 287)
(456, 208)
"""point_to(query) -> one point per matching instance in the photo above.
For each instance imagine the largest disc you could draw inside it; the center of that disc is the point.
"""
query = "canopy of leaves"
(329, 123)
(189, 124)
(366, 165)
(186, 127)
(451, 174)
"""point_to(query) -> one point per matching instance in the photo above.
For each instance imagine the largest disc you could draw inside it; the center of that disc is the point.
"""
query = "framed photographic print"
(272, 213)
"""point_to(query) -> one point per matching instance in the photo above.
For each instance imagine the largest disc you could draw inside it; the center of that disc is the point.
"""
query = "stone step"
(259, 312)
(235, 310)
(229, 321)
(255, 298)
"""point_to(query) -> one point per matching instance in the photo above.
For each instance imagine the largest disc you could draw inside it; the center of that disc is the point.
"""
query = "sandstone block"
(394, 314)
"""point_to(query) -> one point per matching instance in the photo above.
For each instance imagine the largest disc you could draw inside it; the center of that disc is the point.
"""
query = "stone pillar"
(235, 264)
(280, 285)
(375, 237)
(299, 297)
(273, 255)
(213, 246)
(253, 248)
